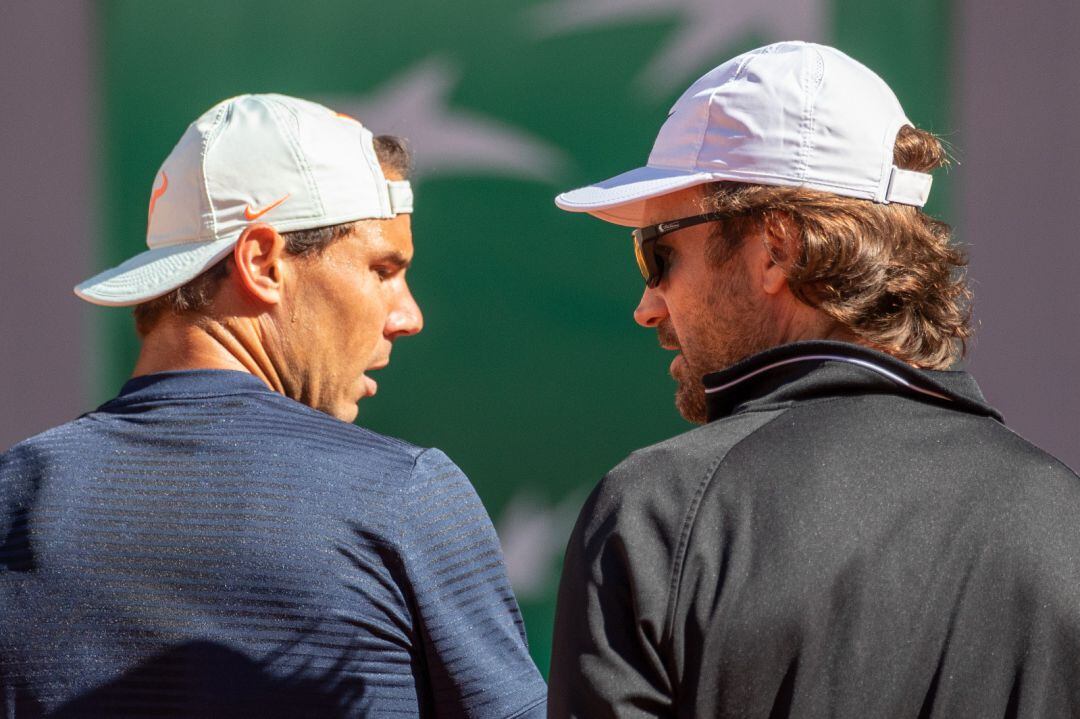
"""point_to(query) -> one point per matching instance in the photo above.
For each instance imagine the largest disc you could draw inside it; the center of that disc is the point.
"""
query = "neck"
(178, 344)
(793, 321)
(832, 333)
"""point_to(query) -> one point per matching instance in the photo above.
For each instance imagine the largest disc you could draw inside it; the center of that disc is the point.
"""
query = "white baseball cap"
(253, 158)
(793, 114)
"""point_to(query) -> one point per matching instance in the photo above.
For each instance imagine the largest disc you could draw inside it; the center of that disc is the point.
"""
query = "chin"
(689, 394)
(344, 411)
(348, 413)
(690, 401)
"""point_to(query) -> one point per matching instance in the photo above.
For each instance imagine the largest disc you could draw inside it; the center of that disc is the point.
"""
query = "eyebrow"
(394, 258)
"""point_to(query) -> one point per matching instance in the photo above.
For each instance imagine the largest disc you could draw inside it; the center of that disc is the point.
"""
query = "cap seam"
(705, 127)
(808, 120)
(709, 106)
(293, 143)
(208, 140)
(741, 67)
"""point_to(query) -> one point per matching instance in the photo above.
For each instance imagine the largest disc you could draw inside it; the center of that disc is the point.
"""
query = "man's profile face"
(348, 305)
(712, 314)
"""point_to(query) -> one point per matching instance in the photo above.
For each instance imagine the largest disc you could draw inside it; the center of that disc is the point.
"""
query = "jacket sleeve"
(607, 656)
(469, 630)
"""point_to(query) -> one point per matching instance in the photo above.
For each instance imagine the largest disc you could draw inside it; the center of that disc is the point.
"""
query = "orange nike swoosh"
(155, 194)
(252, 214)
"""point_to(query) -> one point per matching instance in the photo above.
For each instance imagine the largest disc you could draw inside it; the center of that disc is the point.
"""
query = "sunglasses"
(649, 260)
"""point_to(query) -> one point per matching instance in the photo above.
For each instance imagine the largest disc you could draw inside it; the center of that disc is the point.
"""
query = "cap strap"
(908, 187)
(401, 196)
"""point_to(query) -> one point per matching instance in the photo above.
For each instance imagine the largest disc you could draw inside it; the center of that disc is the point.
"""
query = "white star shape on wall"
(533, 535)
(706, 28)
(448, 141)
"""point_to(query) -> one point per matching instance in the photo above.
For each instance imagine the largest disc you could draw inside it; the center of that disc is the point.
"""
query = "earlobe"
(258, 255)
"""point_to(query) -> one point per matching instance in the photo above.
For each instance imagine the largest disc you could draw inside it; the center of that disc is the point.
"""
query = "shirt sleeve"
(607, 656)
(469, 627)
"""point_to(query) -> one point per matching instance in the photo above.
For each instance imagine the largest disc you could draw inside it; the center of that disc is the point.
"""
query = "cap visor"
(621, 199)
(153, 273)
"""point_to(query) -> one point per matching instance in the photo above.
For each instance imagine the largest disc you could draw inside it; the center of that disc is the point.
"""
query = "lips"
(370, 385)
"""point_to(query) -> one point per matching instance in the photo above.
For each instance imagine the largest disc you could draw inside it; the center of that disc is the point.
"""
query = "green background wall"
(530, 372)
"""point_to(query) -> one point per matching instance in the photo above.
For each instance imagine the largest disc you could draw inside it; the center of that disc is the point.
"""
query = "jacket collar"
(820, 369)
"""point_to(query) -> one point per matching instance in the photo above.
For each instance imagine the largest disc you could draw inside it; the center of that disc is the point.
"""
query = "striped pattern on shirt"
(202, 546)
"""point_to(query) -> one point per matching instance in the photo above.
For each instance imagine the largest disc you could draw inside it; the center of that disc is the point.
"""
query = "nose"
(405, 318)
(652, 310)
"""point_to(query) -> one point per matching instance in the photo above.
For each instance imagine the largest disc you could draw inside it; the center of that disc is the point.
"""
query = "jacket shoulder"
(649, 498)
(676, 467)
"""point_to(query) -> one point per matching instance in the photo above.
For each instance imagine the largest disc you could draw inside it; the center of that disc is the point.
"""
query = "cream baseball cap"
(793, 114)
(253, 158)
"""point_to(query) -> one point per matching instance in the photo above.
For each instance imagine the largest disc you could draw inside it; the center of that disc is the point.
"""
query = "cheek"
(366, 319)
(698, 326)
(681, 311)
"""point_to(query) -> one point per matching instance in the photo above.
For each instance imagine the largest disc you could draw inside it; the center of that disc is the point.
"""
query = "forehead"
(674, 205)
(379, 237)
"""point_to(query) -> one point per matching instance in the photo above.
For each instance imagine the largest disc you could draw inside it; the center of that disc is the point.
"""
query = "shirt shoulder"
(38, 448)
(343, 436)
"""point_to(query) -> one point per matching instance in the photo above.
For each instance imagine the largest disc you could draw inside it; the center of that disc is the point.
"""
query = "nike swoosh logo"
(155, 194)
(252, 214)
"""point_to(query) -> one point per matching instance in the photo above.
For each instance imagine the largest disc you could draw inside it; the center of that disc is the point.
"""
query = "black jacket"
(847, 537)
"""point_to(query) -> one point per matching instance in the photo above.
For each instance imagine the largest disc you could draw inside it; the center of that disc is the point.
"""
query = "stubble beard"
(731, 328)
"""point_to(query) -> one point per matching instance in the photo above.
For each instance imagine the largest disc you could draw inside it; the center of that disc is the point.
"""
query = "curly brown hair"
(886, 273)
(394, 157)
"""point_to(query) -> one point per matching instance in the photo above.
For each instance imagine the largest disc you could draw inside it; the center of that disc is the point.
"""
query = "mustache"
(667, 336)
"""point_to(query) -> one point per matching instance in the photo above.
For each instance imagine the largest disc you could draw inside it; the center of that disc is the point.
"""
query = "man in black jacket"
(853, 532)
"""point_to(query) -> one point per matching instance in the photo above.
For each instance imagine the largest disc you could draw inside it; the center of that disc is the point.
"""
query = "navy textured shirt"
(202, 546)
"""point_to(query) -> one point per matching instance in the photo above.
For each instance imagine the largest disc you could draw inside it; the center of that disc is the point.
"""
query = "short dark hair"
(394, 155)
(195, 296)
(889, 274)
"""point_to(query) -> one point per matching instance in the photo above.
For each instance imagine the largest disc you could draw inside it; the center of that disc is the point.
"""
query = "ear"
(259, 259)
(778, 242)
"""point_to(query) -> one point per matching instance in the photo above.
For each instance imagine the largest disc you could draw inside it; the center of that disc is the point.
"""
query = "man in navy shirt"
(220, 540)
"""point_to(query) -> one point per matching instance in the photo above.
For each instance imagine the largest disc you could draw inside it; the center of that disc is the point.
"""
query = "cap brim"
(621, 199)
(153, 273)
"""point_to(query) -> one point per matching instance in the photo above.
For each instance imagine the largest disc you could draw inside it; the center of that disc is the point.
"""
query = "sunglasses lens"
(651, 266)
(639, 255)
